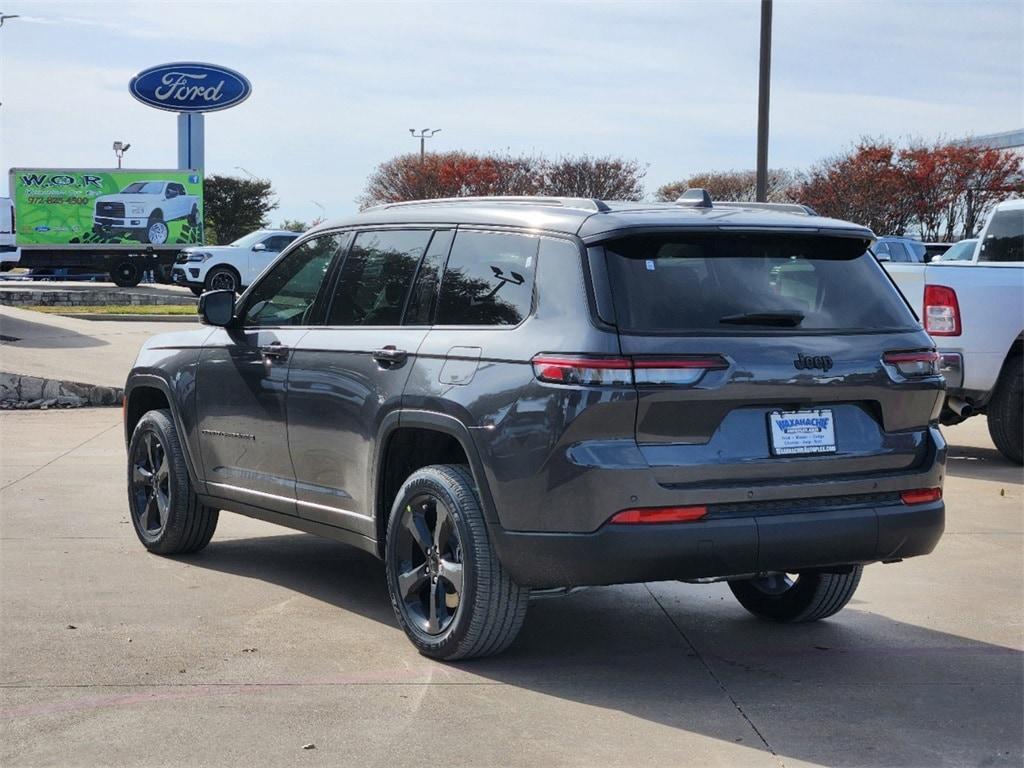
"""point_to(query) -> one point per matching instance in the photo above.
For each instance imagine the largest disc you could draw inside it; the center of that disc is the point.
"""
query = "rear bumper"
(619, 554)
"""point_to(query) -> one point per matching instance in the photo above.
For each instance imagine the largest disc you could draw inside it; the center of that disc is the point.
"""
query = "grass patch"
(121, 309)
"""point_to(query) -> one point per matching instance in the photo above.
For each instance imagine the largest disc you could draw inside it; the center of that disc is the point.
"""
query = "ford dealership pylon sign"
(190, 86)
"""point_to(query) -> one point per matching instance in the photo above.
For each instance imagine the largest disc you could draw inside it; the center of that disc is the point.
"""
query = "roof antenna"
(695, 198)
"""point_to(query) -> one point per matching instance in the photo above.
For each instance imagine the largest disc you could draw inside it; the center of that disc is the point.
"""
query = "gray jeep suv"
(505, 396)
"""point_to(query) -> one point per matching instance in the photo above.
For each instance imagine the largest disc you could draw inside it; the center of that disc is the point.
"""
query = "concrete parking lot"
(270, 641)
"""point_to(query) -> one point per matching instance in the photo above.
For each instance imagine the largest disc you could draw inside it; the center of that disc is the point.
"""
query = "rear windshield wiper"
(780, 319)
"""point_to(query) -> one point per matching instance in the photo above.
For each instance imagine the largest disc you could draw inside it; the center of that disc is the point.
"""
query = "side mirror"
(217, 308)
(260, 247)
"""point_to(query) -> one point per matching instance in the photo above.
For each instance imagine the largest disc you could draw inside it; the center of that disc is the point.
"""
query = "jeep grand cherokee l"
(497, 396)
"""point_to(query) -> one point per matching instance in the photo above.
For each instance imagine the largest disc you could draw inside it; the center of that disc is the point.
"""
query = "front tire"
(223, 279)
(807, 597)
(1006, 412)
(196, 291)
(157, 231)
(166, 513)
(448, 589)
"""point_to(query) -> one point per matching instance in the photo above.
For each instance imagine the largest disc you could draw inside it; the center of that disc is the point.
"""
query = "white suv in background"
(229, 267)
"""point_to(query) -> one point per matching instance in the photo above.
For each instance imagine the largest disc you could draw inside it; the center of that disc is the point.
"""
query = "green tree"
(234, 206)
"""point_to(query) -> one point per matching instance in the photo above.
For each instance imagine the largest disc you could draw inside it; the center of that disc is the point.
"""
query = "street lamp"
(5, 16)
(323, 211)
(423, 135)
(246, 170)
(119, 149)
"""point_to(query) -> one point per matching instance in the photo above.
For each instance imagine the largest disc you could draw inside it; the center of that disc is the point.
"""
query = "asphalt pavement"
(270, 641)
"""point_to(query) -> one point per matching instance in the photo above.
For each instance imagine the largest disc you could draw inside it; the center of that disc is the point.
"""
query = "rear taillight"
(920, 362)
(647, 515)
(941, 311)
(579, 369)
(921, 495)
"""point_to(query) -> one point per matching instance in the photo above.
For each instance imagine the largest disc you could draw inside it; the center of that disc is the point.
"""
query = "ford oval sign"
(190, 86)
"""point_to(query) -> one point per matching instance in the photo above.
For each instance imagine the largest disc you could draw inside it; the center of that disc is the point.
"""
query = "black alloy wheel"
(430, 572)
(151, 486)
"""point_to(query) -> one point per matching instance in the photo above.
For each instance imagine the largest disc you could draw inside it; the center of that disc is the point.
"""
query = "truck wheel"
(223, 279)
(126, 274)
(156, 230)
(166, 512)
(1006, 411)
(807, 597)
(448, 589)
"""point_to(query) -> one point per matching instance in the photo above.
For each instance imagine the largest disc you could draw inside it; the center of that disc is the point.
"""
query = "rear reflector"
(579, 369)
(941, 311)
(647, 515)
(921, 495)
(921, 362)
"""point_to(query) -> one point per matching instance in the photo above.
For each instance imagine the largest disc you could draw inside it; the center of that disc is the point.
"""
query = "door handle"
(389, 355)
(275, 351)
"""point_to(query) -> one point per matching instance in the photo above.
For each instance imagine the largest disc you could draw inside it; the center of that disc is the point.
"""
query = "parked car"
(508, 395)
(933, 251)
(959, 251)
(972, 307)
(229, 267)
(899, 249)
(146, 207)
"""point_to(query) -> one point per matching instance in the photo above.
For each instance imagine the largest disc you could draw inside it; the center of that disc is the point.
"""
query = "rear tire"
(196, 291)
(1006, 411)
(126, 274)
(166, 513)
(448, 589)
(811, 596)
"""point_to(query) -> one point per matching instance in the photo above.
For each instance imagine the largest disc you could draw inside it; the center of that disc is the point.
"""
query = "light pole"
(764, 86)
(247, 171)
(119, 149)
(323, 211)
(423, 135)
(5, 16)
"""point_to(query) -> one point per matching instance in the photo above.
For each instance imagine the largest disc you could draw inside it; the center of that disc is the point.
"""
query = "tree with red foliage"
(867, 185)
(733, 186)
(461, 174)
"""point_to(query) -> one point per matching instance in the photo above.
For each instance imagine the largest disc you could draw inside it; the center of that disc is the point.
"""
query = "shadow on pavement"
(860, 689)
(977, 463)
(44, 336)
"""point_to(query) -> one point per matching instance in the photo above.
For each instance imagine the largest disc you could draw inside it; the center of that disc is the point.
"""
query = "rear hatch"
(762, 357)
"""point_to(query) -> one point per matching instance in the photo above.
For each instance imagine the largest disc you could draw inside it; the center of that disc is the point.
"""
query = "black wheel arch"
(450, 427)
(145, 392)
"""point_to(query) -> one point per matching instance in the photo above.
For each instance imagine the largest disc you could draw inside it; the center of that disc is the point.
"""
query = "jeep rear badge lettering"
(810, 362)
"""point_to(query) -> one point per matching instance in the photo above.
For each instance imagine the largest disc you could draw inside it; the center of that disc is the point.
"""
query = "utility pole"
(764, 86)
(423, 135)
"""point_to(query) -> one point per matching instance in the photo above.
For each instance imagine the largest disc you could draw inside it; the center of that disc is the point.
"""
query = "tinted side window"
(1004, 240)
(286, 294)
(277, 243)
(376, 277)
(488, 280)
(899, 252)
(424, 293)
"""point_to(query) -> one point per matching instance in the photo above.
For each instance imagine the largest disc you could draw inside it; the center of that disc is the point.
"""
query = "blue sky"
(336, 86)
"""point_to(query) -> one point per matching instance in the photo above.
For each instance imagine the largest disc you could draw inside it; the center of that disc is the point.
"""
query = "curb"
(19, 392)
(129, 318)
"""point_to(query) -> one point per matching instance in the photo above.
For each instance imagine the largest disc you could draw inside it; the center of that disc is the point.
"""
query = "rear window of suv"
(739, 283)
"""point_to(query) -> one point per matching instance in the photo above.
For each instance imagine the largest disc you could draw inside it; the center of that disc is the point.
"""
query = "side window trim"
(432, 314)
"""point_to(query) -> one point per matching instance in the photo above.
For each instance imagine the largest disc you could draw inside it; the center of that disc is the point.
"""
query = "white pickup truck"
(146, 207)
(974, 309)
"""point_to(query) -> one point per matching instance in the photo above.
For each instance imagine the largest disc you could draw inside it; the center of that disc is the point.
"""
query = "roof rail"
(798, 208)
(695, 198)
(582, 203)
